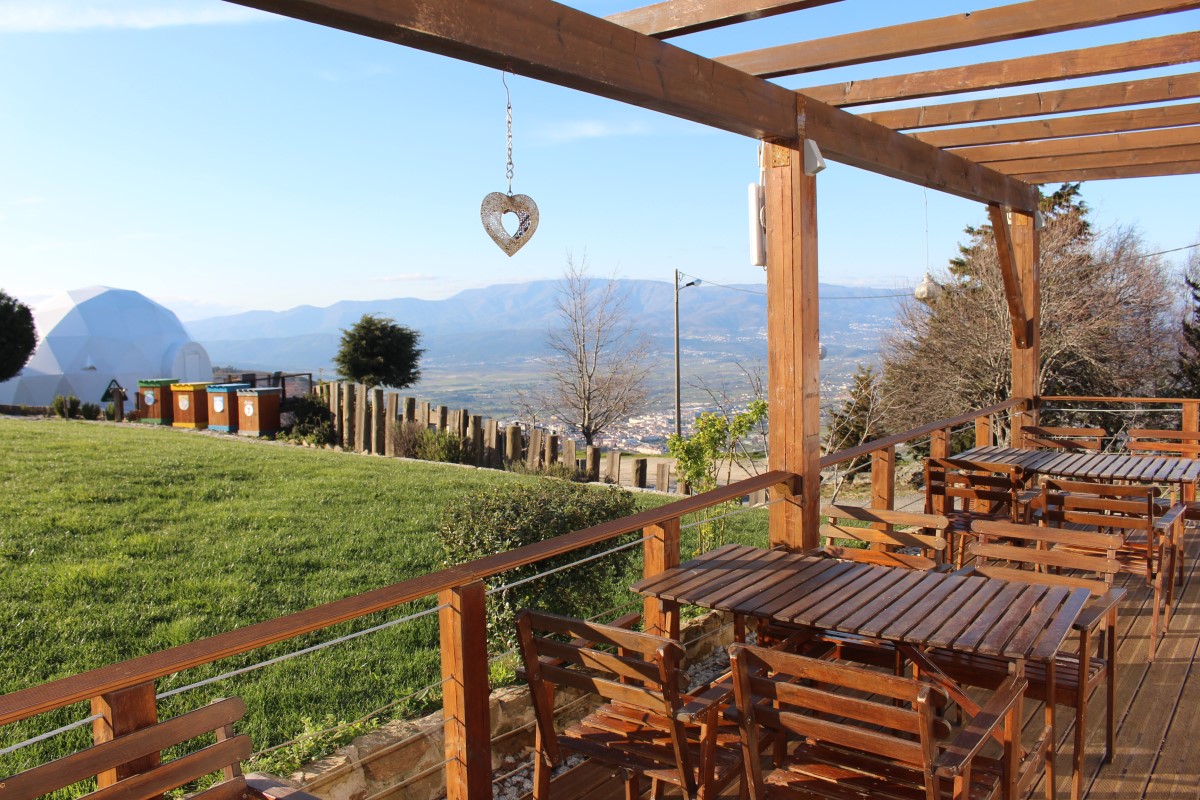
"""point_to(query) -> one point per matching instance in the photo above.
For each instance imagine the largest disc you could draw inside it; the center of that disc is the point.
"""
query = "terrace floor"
(1157, 719)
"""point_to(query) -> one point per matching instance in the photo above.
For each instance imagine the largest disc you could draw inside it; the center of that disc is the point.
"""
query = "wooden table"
(1092, 465)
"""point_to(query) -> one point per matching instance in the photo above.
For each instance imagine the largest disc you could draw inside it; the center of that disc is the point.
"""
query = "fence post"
(467, 721)
(568, 454)
(639, 473)
(124, 712)
(361, 420)
(378, 430)
(593, 463)
(512, 444)
(551, 455)
(533, 454)
(348, 416)
(491, 444)
(661, 548)
(662, 477)
(983, 431)
(464, 424)
(443, 418)
(475, 436)
(410, 409)
(393, 417)
(614, 467)
(939, 443)
(883, 484)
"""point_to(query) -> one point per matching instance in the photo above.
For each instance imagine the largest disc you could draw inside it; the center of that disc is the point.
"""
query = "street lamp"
(678, 412)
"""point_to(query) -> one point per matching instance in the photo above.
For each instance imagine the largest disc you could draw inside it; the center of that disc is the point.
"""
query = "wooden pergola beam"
(1080, 145)
(1087, 161)
(1113, 173)
(548, 41)
(679, 17)
(1004, 23)
(1008, 273)
(1062, 127)
(1037, 104)
(1162, 51)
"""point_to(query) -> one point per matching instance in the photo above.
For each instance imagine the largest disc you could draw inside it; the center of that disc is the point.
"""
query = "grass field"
(119, 540)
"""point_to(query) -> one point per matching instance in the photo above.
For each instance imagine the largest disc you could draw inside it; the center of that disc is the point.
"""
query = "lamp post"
(678, 412)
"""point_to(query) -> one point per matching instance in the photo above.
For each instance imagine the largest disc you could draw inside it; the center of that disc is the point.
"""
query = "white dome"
(88, 337)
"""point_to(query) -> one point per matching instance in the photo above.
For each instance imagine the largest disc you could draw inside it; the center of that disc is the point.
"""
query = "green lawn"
(119, 540)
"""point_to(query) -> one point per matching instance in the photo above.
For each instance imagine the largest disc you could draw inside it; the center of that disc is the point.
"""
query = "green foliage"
(315, 740)
(66, 407)
(110, 411)
(1187, 367)
(714, 445)
(443, 446)
(857, 420)
(377, 351)
(89, 411)
(514, 515)
(18, 336)
(313, 420)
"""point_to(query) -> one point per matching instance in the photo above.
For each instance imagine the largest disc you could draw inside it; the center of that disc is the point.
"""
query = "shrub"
(442, 446)
(90, 411)
(131, 415)
(405, 437)
(66, 407)
(110, 411)
(59, 404)
(510, 516)
(313, 422)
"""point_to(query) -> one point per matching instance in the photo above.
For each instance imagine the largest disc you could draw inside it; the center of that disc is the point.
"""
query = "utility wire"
(707, 282)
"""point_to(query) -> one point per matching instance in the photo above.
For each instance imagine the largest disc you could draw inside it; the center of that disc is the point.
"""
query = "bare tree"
(597, 366)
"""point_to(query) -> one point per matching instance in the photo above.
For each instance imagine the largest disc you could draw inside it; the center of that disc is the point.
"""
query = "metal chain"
(508, 172)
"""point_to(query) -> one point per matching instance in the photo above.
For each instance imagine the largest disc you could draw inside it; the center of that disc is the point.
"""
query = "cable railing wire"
(576, 563)
(41, 737)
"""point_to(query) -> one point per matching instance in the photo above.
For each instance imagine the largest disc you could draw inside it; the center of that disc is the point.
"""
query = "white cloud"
(51, 16)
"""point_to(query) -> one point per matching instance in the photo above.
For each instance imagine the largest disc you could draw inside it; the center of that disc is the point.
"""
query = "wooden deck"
(1158, 713)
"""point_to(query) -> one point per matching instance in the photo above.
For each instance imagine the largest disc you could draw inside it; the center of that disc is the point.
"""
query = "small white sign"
(183, 402)
(248, 408)
(218, 404)
(148, 396)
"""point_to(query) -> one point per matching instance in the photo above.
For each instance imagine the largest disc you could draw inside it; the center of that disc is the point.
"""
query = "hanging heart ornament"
(495, 206)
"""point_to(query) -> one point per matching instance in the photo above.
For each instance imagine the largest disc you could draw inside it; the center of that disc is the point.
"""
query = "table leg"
(1052, 747)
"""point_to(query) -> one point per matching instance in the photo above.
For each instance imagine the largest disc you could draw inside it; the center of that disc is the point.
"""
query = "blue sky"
(220, 159)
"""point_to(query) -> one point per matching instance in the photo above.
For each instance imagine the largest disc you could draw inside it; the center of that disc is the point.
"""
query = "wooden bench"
(967, 489)
(888, 534)
(1036, 436)
(156, 777)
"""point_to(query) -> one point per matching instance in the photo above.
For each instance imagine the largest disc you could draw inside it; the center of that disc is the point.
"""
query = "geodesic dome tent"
(89, 337)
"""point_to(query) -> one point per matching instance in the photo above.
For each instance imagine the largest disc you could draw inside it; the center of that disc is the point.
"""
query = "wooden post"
(463, 431)
(1026, 360)
(491, 444)
(983, 431)
(639, 473)
(758, 498)
(348, 416)
(939, 443)
(662, 476)
(467, 721)
(793, 347)
(378, 429)
(422, 412)
(475, 437)
(392, 412)
(443, 418)
(661, 548)
(613, 468)
(121, 713)
(1190, 424)
(593, 463)
(361, 420)
(512, 444)
(533, 453)
(410, 409)
(568, 453)
(883, 484)
(551, 449)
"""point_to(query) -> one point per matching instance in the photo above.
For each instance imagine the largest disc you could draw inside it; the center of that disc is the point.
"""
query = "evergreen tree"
(858, 420)
(379, 352)
(18, 336)
(1187, 370)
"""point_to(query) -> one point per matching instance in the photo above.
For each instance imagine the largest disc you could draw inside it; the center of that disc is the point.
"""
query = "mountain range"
(485, 341)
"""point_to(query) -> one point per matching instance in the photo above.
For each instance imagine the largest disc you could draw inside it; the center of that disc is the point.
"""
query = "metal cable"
(70, 726)
(610, 551)
(303, 651)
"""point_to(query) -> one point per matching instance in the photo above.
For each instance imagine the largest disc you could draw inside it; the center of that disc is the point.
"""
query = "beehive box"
(154, 401)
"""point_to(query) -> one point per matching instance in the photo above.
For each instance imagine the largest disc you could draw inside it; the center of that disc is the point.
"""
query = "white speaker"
(758, 226)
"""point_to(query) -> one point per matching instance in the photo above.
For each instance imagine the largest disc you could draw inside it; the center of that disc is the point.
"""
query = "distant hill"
(483, 340)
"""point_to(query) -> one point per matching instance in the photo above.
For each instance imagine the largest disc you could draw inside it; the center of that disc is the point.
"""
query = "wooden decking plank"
(1010, 622)
(796, 610)
(926, 618)
(782, 579)
(965, 614)
(897, 621)
(885, 598)
(983, 623)
(672, 576)
(830, 611)
(1176, 773)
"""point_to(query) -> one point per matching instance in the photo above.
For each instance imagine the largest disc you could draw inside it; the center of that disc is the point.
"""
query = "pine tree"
(1187, 370)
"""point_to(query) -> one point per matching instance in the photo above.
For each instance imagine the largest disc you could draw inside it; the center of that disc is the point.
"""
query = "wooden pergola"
(625, 57)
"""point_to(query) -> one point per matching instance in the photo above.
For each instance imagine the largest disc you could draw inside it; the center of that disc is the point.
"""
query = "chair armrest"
(1096, 610)
(978, 732)
(965, 572)
(1168, 519)
(717, 693)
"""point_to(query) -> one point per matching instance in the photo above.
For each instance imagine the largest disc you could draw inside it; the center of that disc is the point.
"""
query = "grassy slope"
(121, 540)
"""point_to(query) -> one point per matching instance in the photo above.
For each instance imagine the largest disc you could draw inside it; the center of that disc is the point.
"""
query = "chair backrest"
(980, 486)
(1148, 441)
(634, 669)
(796, 697)
(1103, 506)
(226, 754)
(1029, 561)
(888, 531)
(1062, 438)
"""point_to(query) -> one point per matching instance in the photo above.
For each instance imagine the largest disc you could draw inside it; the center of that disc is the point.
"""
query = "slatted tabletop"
(965, 613)
(1096, 466)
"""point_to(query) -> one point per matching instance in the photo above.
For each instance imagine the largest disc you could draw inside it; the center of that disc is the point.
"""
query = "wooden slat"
(1023, 639)
(890, 538)
(1051, 558)
(792, 569)
(910, 518)
(76, 767)
(1010, 621)
(983, 623)
(1054, 634)
(1038, 104)
(1008, 275)
(1080, 145)
(907, 587)
(1158, 155)
(901, 618)
(883, 558)
(928, 617)
(1104, 60)
(1061, 127)
(853, 594)
(679, 17)
(825, 702)
(591, 658)
(846, 735)
(668, 579)
(612, 690)
(1003, 23)
(813, 580)
(894, 581)
(597, 634)
(796, 611)
(174, 774)
(964, 615)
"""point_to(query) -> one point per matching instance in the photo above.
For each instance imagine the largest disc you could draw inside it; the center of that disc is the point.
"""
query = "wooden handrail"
(35, 700)
(1081, 399)
(891, 441)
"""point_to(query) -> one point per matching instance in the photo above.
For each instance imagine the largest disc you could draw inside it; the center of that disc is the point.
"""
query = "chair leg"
(658, 789)
(1153, 646)
(632, 786)
(1077, 753)
(541, 777)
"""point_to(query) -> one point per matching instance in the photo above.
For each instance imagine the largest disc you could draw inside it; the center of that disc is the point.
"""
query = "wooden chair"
(1036, 436)
(1077, 675)
(153, 778)
(1149, 532)
(1148, 441)
(963, 490)
(647, 726)
(845, 743)
(891, 533)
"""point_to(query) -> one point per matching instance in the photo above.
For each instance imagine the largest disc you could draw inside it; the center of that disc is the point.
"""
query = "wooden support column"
(983, 431)
(1026, 359)
(1191, 424)
(939, 443)
(124, 712)
(792, 347)
(659, 617)
(465, 692)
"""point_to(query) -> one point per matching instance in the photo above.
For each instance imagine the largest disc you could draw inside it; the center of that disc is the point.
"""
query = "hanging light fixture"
(927, 290)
